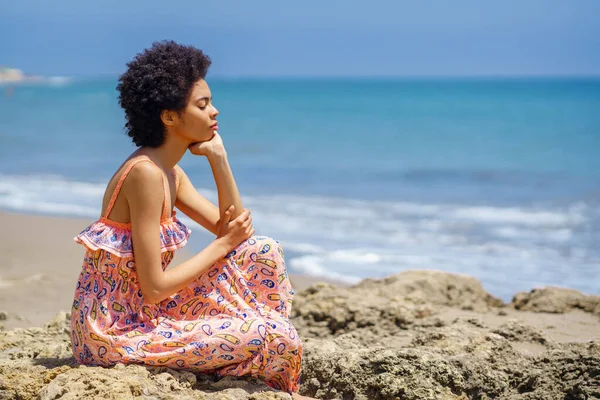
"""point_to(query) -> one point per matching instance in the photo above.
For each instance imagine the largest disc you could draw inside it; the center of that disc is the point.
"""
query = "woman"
(224, 311)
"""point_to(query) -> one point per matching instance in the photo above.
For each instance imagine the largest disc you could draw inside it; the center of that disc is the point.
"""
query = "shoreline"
(412, 335)
(40, 265)
(39, 254)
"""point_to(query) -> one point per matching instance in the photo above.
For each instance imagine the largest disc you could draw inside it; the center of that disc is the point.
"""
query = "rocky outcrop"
(414, 335)
(384, 307)
(556, 300)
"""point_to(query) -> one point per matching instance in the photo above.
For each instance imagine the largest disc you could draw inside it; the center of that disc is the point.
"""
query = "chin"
(205, 138)
(211, 134)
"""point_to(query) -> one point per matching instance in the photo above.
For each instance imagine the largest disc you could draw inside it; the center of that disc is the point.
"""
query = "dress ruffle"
(115, 237)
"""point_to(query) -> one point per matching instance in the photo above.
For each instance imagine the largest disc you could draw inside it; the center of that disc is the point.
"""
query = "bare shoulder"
(144, 178)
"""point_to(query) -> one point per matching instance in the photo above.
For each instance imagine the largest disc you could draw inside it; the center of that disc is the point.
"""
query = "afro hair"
(159, 78)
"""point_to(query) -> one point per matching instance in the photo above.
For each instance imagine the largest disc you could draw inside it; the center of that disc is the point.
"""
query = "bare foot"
(296, 396)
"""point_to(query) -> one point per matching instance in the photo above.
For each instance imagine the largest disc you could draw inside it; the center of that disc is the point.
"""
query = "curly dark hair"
(159, 78)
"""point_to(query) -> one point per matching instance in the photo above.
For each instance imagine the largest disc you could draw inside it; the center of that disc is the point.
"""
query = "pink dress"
(232, 320)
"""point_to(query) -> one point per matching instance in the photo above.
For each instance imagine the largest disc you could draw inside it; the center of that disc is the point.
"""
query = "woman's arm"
(226, 186)
(144, 194)
(214, 150)
(194, 205)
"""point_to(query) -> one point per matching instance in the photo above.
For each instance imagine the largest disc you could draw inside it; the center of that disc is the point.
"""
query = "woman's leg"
(261, 261)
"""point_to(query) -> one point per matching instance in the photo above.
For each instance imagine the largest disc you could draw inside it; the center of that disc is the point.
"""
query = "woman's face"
(198, 121)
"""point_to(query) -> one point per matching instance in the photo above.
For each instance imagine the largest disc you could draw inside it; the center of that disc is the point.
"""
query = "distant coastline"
(9, 76)
(14, 75)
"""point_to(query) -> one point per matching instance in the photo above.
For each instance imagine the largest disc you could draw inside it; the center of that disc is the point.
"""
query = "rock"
(11, 75)
(60, 323)
(381, 339)
(556, 300)
(518, 332)
(3, 315)
(433, 287)
(460, 361)
(382, 308)
(404, 337)
(134, 381)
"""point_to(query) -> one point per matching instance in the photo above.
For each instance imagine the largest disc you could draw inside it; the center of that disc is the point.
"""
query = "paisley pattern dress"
(231, 320)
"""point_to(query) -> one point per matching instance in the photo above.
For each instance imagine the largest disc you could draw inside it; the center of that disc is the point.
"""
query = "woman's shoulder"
(144, 172)
(143, 177)
(134, 169)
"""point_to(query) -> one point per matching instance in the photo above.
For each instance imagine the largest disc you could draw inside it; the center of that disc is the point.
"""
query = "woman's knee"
(266, 246)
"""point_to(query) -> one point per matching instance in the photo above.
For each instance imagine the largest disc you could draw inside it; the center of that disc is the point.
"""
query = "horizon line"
(357, 76)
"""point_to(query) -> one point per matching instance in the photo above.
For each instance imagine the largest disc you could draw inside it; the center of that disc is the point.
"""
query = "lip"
(214, 126)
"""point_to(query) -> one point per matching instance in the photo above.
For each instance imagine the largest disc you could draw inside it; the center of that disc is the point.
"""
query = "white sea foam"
(351, 239)
(516, 233)
(312, 265)
(517, 216)
(58, 80)
(50, 195)
(304, 247)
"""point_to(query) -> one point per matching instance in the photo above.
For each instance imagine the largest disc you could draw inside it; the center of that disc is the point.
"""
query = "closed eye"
(204, 102)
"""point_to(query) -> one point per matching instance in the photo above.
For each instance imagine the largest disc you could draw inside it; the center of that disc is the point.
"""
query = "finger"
(244, 215)
(228, 213)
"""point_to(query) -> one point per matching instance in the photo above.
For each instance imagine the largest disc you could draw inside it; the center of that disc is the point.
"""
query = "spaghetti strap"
(176, 179)
(113, 198)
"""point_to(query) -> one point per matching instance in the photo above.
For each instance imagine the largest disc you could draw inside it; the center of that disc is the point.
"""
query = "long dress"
(232, 320)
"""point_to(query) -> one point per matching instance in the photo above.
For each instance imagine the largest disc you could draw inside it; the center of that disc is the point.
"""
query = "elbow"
(152, 287)
(152, 296)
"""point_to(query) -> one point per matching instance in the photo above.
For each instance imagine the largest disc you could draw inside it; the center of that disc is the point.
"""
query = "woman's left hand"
(212, 147)
(226, 225)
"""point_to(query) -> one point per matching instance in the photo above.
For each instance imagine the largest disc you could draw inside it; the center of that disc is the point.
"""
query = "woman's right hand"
(210, 148)
(235, 231)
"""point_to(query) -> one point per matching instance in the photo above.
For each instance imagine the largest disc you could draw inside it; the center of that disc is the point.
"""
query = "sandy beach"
(412, 335)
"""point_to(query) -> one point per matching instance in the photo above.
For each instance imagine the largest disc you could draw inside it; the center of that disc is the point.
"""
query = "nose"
(215, 112)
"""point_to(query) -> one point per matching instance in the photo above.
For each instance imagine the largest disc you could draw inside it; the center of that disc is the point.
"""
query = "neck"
(169, 153)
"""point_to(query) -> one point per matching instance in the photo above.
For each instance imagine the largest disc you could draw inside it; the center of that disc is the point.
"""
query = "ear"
(168, 117)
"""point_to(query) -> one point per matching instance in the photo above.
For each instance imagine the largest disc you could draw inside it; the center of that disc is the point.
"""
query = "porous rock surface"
(393, 338)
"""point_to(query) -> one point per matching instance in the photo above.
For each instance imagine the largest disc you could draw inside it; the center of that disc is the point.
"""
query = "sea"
(497, 178)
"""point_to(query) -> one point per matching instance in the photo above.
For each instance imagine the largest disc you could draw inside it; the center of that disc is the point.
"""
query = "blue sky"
(310, 38)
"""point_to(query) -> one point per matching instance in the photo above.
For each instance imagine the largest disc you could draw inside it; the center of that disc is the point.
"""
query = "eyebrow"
(204, 98)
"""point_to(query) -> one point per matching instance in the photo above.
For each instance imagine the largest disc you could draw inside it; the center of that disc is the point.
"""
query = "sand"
(413, 335)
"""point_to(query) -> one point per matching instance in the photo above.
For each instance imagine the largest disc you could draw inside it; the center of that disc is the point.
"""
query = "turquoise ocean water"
(499, 179)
